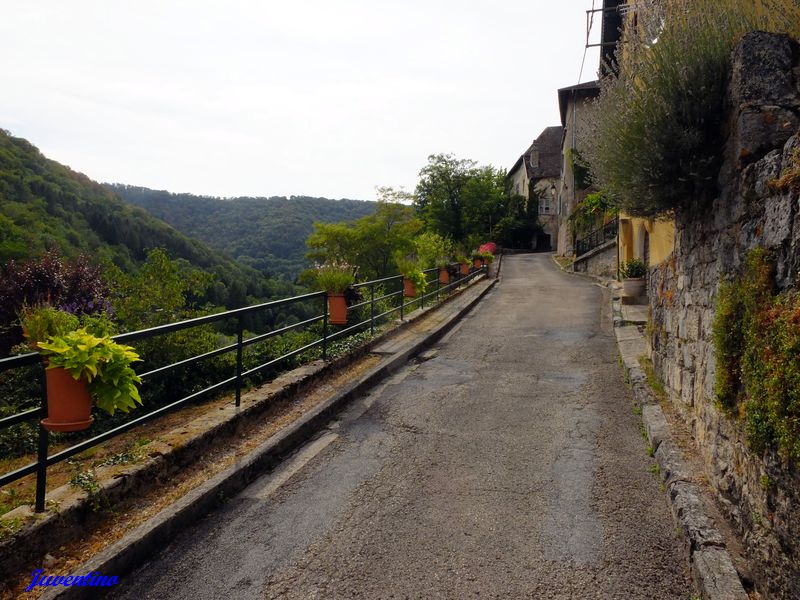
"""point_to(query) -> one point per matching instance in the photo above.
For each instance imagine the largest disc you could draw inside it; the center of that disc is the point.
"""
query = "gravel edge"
(709, 560)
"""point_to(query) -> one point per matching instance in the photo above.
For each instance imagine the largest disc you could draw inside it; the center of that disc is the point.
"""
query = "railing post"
(41, 455)
(239, 340)
(325, 327)
(372, 309)
(438, 286)
(402, 299)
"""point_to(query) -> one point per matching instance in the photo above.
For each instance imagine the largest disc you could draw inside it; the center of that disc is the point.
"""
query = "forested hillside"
(268, 234)
(46, 205)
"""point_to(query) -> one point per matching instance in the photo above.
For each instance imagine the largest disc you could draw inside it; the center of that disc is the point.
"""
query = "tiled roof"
(546, 151)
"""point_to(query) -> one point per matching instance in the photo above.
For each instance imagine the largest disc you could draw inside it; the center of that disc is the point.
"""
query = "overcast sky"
(298, 97)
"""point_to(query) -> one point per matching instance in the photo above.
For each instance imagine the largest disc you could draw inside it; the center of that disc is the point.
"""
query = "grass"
(653, 382)
(563, 262)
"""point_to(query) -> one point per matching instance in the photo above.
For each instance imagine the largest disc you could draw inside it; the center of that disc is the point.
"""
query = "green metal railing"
(395, 299)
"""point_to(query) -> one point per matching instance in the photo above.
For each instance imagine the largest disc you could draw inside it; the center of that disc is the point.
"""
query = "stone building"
(573, 106)
(536, 176)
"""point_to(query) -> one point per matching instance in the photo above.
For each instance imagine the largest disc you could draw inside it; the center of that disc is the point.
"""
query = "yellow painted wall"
(632, 238)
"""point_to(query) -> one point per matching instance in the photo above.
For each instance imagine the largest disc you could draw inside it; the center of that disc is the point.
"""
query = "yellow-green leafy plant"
(105, 364)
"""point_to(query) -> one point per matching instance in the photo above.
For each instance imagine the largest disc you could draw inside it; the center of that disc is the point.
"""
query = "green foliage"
(158, 292)
(418, 279)
(591, 213)
(432, 250)
(41, 323)
(632, 269)
(657, 128)
(370, 243)
(267, 234)
(578, 166)
(105, 364)
(515, 231)
(756, 337)
(334, 277)
(457, 198)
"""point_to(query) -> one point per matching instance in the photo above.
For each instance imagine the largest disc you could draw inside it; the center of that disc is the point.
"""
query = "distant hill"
(44, 204)
(268, 234)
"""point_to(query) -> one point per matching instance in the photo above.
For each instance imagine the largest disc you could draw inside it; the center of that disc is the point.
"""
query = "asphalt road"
(509, 464)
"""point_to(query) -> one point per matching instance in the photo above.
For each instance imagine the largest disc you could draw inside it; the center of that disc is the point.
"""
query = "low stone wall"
(761, 494)
(601, 261)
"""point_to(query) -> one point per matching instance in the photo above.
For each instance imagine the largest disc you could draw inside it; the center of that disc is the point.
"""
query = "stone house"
(573, 104)
(536, 176)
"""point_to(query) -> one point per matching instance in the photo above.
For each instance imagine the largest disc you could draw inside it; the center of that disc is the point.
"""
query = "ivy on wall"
(757, 342)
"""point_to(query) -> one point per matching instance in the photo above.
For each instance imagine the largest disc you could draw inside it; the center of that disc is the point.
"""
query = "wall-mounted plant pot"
(409, 291)
(633, 287)
(444, 276)
(69, 406)
(465, 268)
(337, 309)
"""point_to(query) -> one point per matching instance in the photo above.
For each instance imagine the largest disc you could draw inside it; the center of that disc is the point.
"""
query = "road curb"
(709, 560)
(145, 541)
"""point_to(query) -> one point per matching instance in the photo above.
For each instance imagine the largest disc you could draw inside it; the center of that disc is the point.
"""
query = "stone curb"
(709, 560)
(146, 540)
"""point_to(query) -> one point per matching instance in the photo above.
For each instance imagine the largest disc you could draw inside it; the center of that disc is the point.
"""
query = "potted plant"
(633, 274)
(81, 366)
(477, 259)
(444, 272)
(335, 277)
(488, 257)
(463, 262)
(414, 282)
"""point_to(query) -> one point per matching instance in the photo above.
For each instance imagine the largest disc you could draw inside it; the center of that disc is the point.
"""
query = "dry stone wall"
(760, 493)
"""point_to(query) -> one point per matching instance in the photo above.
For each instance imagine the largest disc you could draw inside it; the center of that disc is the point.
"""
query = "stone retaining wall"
(710, 245)
(601, 261)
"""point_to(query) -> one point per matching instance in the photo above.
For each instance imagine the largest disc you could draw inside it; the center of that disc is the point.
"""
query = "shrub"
(334, 276)
(432, 250)
(590, 213)
(632, 269)
(656, 129)
(72, 286)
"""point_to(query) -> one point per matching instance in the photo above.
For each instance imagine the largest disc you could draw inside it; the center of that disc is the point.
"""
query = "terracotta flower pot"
(409, 291)
(465, 268)
(337, 309)
(633, 287)
(444, 276)
(69, 406)
(476, 263)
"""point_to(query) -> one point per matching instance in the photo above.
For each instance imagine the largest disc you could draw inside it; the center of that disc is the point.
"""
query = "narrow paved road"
(508, 465)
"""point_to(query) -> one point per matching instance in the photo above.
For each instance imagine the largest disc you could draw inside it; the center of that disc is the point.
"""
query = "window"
(544, 206)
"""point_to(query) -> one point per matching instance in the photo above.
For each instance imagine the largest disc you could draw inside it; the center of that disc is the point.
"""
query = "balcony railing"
(393, 299)
(597, 238)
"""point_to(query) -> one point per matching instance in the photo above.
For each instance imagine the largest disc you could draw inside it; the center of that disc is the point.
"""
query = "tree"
(439, 198)
(369, 242)
(459, 199)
